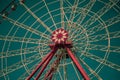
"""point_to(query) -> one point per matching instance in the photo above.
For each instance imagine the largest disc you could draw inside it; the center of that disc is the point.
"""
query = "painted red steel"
(53, 67)
(46, 63)
(59, 37)
(49, 73)
(76, 62)
(41, 63)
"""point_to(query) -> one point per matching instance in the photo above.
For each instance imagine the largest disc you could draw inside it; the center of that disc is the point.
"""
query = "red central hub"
(59, 36)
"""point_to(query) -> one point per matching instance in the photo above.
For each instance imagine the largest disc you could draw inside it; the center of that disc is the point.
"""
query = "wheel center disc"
(59, 36)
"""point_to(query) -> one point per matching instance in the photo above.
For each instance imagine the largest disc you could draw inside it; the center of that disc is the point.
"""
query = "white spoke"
(72, 15)
(67, 2)
(100, 27)
(38, 19)
(25, 75)
(62, 14)
(115, 49)
(27, 28)
(85, 11)
(91, 70)
(102, 37)
(101, 12)
(60, 75)
(50, 14)
(23, 40)
(74, 7)
(76, 71)
(106, 24)
(105, 62)
(19, 65)
(19, 52)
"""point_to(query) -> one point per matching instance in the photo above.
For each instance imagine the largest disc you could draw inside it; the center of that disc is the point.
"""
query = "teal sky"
(93, 27)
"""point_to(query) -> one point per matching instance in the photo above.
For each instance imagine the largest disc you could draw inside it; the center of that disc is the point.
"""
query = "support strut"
(49, 73)
(46, 63)
(53, 67)
(43, 61)
(76, 62)
(59, 37)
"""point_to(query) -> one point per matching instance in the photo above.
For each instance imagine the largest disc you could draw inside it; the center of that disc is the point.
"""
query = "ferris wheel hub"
(59, 36)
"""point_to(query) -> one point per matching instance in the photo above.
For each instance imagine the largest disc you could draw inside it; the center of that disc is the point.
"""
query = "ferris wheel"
(60, 40)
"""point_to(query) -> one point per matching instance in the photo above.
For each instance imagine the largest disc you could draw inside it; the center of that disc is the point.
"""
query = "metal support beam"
(43, 61)
(47, 62)
(75, 61)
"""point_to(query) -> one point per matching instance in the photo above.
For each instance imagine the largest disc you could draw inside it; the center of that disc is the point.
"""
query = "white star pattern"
(59, 36)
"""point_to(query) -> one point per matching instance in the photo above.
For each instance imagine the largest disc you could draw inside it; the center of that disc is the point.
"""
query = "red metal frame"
(76, 62)
(59, 37)
(46, 63)
(49, 74)
(48, 56)
(47, 59)
(53, 67)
